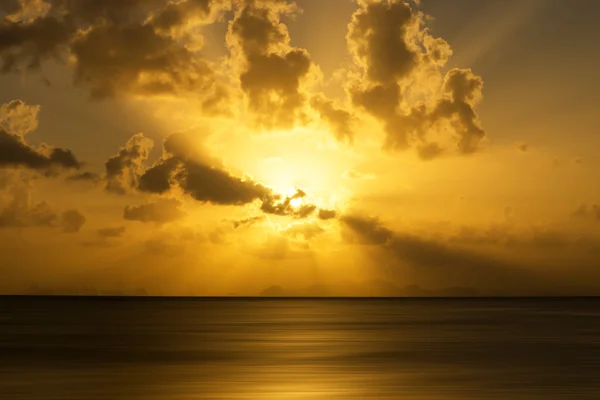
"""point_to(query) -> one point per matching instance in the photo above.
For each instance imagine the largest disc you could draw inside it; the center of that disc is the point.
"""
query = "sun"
(297, 202)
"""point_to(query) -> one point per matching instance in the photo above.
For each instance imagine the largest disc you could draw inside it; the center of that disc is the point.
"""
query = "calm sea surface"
(184, 349)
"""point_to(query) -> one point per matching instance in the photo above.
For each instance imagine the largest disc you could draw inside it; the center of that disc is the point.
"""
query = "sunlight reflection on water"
(299, 349)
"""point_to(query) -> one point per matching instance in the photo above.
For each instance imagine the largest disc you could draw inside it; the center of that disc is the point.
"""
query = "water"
(184, 349)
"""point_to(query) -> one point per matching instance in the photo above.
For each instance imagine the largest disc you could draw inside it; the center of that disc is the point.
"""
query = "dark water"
(299, 349)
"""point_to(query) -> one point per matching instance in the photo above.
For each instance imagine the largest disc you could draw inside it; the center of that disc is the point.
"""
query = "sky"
(303, 148)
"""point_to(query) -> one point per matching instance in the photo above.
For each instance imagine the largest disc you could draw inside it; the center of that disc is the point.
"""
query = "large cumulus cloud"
(116, 47)
(401, 85)
(272, 72)
(123, 170)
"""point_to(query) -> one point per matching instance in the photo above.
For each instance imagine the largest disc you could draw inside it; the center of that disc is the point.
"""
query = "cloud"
(435, 260)
(21, 211)
(368, 230)
(25, 10)
(139, 47)
(193, 172)
(178, 14)
(464, 91)
(585, 211)
(379, 39)
(248, 221)
(28, 43)
(277, 204)
(152, 47)
(212, 185)
(326, 214)
(15, 152)
(523, 147)
(85, 177)
(159, 178)
(205, 180)
(272, 71)
(111, 232)
(18, 209)
(501, 259)
(19, 118)
(113, 59)
(123, 170)
(342, 122)
(161, 212)
(400, 64)
(72, 221)
(16, 120)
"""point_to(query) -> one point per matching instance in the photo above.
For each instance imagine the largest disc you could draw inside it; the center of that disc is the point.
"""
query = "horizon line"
(258, 297)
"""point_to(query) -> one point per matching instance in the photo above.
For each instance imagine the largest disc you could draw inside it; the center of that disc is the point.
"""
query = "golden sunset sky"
(330, 147)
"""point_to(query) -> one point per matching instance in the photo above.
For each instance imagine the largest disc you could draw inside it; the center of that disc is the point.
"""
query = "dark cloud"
(216, 186)
(60, 157)
(369, 230)
(85, 177)
(341, 121)
(434, 260)
(248, 221)
(27, 44)
(378, 38)
(212, 185)
(204, 182)
(277, 204)
(161, 212)
(118, 47)
(72, 221)
(398, 57)
(111, 232)
(497, 259)
(272, 70)
(176, 14)
(326, 214)
(585, 211)
(113, 59)
(123, 170)
(523, 147)
(15, 152)
(116, 11)
(464, 89)
(187, 166)
(16, 120)
(159, 178)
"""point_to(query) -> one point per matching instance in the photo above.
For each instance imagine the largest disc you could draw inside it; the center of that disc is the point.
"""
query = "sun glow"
(297, 202)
